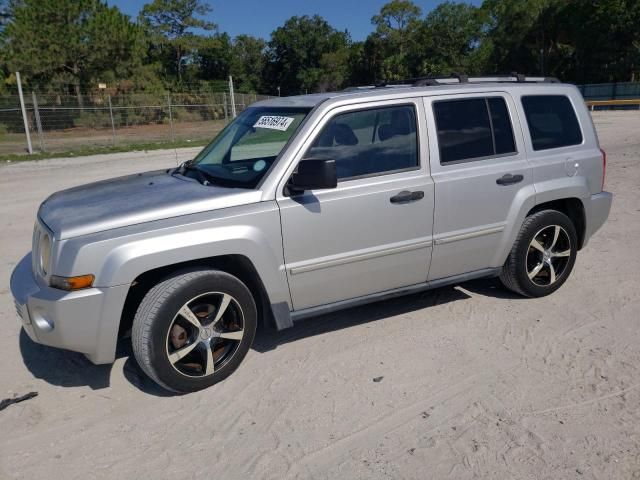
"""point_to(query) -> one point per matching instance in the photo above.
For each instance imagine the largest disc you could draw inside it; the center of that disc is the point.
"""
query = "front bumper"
(84, 321)
(597, 209)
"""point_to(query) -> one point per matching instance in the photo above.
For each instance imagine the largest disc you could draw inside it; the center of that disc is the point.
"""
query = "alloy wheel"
(205, 334)
(548, 255)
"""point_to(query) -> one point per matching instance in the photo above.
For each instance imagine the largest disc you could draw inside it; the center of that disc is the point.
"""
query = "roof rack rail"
(358, 88)
(461, 78)
(455, 78)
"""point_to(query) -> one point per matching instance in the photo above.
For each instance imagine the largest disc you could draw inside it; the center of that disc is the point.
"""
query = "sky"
(259, 17)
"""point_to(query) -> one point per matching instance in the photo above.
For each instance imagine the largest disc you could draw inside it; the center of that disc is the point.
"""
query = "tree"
(69, 42)
(212, 59)
(449, 38)
(171, 24)
(296, 50)
(599, 41)
(396, 26)
(575, 40)
(396, 21)
(248, 62)
(516, 35)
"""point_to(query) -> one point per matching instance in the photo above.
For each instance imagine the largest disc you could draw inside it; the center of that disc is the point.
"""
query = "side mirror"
(313, 174)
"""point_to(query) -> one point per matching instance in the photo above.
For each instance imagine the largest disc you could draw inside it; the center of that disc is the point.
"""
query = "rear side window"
(552, 121)
(473, 128)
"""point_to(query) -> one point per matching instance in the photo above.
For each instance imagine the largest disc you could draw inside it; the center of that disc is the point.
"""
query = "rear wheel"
(193, 329)
(543, 255)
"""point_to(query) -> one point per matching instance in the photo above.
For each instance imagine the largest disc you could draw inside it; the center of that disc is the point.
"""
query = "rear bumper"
(597, 209)
(84, 321)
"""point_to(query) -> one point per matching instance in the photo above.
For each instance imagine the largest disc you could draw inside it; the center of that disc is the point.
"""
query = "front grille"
(18, 308)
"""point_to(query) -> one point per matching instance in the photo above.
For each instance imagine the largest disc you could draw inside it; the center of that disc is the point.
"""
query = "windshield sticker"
(274, 122)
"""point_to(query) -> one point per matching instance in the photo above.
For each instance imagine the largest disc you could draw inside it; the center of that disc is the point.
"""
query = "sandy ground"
(477, 383)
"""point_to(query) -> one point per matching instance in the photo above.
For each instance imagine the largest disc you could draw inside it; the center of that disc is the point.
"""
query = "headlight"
(45, 253)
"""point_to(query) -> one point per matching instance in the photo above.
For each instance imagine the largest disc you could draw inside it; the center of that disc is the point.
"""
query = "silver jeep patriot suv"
(304, 205)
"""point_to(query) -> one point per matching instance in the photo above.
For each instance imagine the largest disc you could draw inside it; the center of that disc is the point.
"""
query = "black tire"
(525, 259)
(153, 334)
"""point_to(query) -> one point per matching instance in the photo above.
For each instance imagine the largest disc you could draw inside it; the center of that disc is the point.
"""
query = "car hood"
(132, 200)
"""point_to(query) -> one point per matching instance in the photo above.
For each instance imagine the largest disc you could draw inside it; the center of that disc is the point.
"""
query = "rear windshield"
(552, 121)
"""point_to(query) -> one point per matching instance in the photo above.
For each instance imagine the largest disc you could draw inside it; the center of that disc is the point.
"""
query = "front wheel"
(193, 329)
(543, 255)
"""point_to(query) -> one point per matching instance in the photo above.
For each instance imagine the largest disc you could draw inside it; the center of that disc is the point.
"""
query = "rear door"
(479, 167)
(373, 232)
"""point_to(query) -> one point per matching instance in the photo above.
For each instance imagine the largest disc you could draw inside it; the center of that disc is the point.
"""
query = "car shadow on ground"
(63, 368)
(70, 369)
(269, 339)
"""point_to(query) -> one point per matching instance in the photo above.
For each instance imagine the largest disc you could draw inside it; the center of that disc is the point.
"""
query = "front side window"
(242, 153)
(473, 128)
(369, 142)
(552, 121)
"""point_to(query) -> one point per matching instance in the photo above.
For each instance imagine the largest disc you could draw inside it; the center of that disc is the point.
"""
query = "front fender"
(118, 257)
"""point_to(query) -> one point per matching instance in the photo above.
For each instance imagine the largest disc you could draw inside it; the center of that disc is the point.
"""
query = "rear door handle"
(509, 179)
(406, 196)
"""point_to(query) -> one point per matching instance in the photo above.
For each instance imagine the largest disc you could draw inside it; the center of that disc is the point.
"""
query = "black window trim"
(493, 137)
(575, 114)
(373, 108)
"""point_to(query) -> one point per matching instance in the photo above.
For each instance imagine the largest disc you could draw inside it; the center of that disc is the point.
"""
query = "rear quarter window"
(552, 121)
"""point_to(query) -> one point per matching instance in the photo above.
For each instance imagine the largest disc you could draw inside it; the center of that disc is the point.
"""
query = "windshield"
(243, 152)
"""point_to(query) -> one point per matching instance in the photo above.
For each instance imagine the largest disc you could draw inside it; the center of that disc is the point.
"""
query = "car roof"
(373, 93)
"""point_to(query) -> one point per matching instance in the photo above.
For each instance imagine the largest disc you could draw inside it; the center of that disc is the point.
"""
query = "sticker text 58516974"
(274, 122)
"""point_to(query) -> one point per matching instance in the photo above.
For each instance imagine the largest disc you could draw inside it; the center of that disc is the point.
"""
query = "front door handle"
(406, 196)
(509, 179)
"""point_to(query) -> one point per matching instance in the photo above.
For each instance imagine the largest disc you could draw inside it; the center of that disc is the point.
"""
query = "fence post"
(233, 97)
(24, 114)
(226, 113)
(36, 112)
(113, 124)
(170, 116)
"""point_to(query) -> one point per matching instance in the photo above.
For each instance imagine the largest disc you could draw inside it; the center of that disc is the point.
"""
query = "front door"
(373, 232)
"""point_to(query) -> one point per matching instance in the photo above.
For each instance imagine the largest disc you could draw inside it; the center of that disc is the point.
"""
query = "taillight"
(604, 167)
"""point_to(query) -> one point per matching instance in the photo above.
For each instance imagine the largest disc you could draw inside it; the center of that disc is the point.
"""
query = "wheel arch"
(234, 264)
(573, 208)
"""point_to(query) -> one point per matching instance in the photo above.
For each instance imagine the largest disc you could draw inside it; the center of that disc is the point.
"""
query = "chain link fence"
(70, 123)
(77, 123)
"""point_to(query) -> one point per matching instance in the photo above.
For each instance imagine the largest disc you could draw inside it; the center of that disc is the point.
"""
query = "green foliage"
(248, 62)
(296, 50)
(55, 43)
(213, 58)
(73, 45)
(171, 25)
(448, 36)
(394, 39)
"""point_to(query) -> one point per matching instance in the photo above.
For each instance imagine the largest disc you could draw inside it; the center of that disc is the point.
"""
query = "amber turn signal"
(71, 283)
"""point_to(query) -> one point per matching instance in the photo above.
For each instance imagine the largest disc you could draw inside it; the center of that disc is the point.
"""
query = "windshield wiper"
(202, 176)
